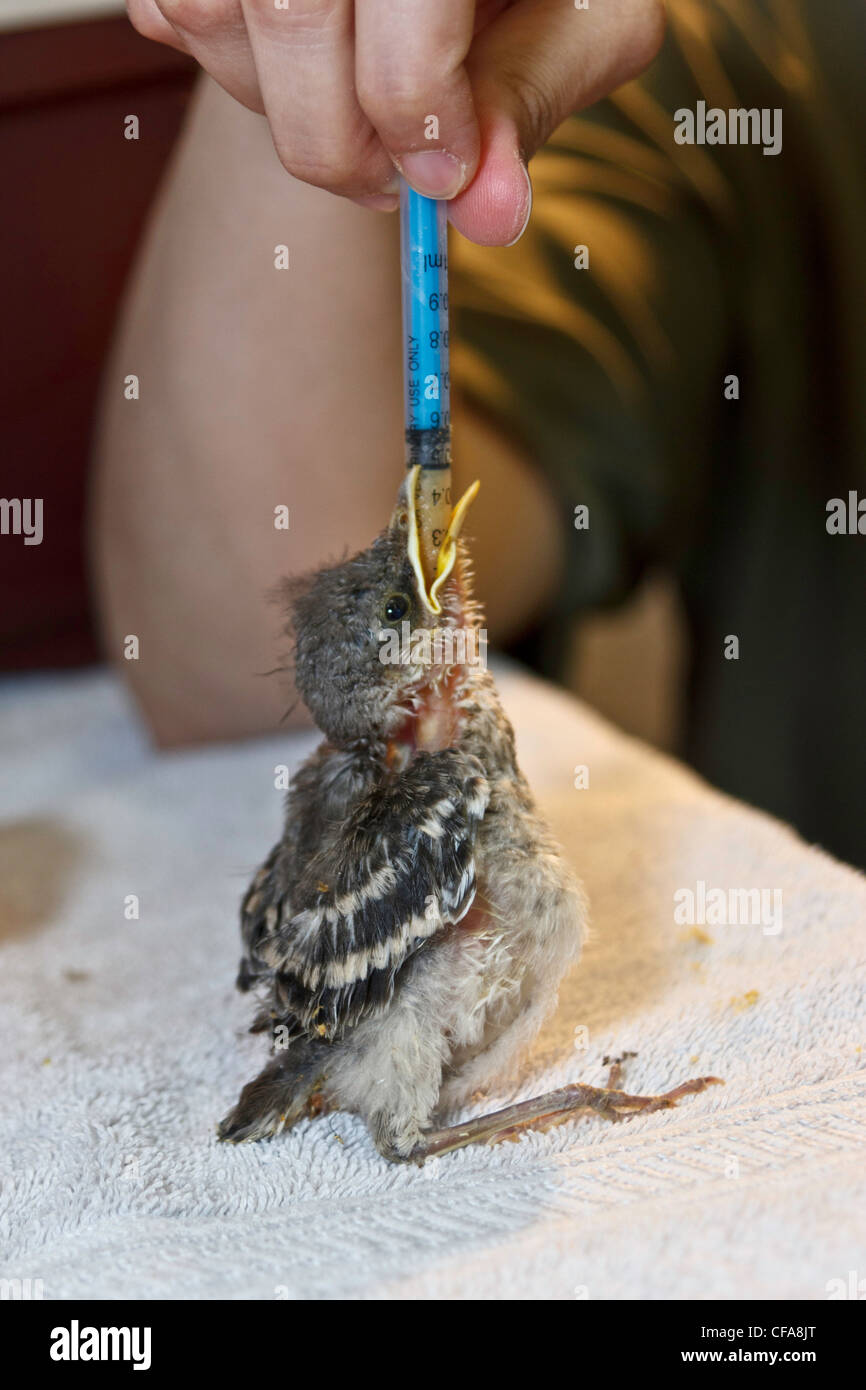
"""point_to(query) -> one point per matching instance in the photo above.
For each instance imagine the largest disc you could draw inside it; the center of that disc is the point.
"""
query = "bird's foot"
(614, 1080)
(552, 1108)
(398, 1142)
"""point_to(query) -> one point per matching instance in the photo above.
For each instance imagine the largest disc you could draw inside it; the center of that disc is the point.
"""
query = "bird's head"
(367, 662)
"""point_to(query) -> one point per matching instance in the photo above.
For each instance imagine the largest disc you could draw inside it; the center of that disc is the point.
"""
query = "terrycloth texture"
(124, 1042)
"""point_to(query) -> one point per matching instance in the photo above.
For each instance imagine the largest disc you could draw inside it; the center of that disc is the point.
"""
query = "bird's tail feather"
(280, 1095)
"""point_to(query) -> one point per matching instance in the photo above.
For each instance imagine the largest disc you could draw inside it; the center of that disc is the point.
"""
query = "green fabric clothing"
(706, 261)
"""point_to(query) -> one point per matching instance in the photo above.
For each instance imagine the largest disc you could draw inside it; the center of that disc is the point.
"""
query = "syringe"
(424, 267)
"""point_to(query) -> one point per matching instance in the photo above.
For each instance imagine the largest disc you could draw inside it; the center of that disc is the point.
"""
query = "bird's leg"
(550, 1109)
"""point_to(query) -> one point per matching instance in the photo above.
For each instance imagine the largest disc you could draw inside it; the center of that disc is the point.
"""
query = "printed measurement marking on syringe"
(424, 252)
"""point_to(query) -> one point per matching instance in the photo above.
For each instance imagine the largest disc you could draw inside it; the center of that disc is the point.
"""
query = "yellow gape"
(447, 550)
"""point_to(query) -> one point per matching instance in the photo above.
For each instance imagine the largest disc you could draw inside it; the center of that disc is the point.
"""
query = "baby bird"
(408, 934)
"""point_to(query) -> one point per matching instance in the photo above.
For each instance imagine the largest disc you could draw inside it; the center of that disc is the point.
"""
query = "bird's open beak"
(447, 553)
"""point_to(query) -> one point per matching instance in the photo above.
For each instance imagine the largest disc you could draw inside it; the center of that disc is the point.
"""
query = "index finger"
(414, 89)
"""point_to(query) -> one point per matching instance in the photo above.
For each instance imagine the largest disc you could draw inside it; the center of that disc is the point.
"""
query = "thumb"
(532, 67)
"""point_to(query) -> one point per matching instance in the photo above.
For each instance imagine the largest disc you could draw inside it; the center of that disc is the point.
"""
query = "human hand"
(457, 94)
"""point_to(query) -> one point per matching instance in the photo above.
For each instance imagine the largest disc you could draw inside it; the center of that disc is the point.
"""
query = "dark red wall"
(75, 195)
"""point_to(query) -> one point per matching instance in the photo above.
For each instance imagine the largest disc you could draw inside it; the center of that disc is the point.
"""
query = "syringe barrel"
(424, 268)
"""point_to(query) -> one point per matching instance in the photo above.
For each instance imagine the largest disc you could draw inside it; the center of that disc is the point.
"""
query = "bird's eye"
(396, 607)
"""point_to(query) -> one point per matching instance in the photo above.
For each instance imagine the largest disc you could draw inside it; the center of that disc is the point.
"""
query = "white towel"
(124, 1043)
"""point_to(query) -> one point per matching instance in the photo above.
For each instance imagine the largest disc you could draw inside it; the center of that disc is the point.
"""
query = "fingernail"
(381, 202)
(524, 213)
(435, 173)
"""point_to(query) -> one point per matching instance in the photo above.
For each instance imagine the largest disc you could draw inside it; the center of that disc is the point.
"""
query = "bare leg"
(550, 1109)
